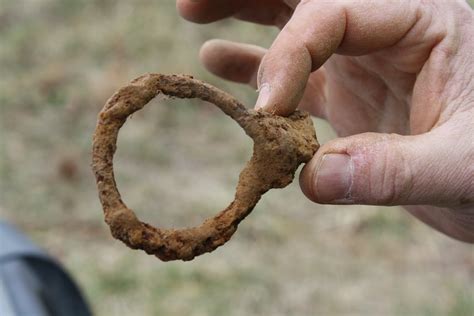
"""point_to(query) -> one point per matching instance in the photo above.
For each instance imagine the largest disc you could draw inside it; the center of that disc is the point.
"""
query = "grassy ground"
(177, 163)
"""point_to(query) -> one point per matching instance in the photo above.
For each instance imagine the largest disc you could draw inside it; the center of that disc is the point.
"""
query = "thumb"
(390, 169)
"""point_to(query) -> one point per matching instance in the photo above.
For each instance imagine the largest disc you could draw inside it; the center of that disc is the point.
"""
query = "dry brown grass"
(177, 163)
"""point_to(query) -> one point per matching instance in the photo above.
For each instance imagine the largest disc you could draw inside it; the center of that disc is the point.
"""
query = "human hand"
(394, 78)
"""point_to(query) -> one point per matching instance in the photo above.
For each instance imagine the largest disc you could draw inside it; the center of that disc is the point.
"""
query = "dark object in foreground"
(281, 144)
(33, 283)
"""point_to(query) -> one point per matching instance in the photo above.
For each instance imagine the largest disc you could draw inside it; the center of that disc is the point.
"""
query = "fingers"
(318, 29)
(206, 11)
(286, 67)
(239, 62)
(232, 61)
(268, 12)
(389, 169)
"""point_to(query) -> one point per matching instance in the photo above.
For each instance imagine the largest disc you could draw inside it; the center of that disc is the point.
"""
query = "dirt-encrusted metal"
(281, 144)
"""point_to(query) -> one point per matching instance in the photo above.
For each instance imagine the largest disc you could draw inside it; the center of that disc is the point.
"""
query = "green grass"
(178, 163)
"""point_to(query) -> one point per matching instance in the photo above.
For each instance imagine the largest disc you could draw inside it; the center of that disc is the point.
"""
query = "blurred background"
(177, 163)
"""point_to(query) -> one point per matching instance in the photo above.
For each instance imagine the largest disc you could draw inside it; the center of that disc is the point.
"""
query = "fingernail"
(263, 96)
(333, 178)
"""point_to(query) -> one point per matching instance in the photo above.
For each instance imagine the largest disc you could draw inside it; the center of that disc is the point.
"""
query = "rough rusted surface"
(281, 144)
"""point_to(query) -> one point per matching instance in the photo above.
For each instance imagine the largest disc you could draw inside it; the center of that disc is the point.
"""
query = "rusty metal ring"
(281, 144)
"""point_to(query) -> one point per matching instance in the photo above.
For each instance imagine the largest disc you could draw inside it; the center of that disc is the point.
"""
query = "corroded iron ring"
(281, 144)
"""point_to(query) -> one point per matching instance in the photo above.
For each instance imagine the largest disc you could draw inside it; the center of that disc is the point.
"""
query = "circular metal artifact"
(281, 144)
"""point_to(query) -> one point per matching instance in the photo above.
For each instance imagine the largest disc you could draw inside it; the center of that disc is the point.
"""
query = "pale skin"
(395, 78)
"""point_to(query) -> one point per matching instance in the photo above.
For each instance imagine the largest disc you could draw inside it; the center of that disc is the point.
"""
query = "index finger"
(319, 29)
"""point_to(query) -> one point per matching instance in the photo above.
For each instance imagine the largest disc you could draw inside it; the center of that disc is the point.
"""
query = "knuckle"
(396, 181)
(387, 173)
